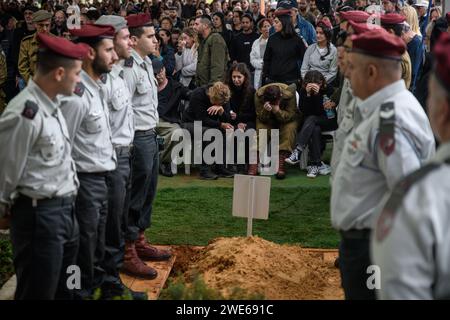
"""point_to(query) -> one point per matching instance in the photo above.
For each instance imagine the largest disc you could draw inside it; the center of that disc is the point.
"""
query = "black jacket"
(198, 106)
(283, 58)
(244, 106)
(169, 100)
(241, 46)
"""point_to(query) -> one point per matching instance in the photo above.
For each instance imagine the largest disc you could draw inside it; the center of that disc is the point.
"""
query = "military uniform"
(39, 180)
(28, 57)
(87, 116)
(410, 242)
(393, 138)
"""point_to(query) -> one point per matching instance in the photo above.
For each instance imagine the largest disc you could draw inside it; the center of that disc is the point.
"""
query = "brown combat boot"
(134, 266)
(253, 168)
(281, 174)
(149, 253)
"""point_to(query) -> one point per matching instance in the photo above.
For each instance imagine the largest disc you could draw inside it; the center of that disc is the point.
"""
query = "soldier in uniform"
(38, 181)
(138, 74)
(87, 117)
(410, 241)
(118, 99)
(30, 45)
(391, 139)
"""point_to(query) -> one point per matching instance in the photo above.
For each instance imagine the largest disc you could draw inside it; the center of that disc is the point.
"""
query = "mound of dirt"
(262, 267)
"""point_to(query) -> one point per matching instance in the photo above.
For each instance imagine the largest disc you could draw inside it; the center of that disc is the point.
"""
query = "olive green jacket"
(28, 56)
(288, 106)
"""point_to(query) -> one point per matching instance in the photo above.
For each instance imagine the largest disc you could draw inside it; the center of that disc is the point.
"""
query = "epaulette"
(28, 37)
(387, 216)
(30, 110)
(387, 128)
(129, 62)
(103, 78)
(79, 89)
(121, 74)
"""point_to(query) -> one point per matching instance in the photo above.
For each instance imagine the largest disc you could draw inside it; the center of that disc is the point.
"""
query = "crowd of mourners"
(296, 45)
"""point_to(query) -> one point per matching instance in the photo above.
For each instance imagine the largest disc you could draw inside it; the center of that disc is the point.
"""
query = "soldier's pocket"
(94, 123)
(143, 87)
(49, 148)
(355, 158)
(119, 100)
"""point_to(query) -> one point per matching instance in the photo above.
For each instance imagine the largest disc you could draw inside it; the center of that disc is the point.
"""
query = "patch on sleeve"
(30, 110)
(79, 89)
(129, 62)
(387, 128)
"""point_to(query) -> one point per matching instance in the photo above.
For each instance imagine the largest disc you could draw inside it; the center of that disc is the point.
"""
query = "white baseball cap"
(421, 3)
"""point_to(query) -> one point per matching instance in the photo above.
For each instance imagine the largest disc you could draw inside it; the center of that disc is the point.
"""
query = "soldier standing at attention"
(38, 181)
(87, 118)
(30, 45)
(392, 138)
(121, 119)
(411, 239)
(138, 74)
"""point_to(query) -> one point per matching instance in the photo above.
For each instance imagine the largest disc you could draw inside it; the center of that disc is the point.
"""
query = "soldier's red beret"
(326, 23)
(442, 60)
(359, 28)
(392, 18)
(63, 47)
(138, 20)
(93, 31)
(355, 15)
(282, 12)
(379, 43)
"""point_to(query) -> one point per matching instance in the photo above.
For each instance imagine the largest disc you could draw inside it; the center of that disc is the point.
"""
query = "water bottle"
(331, 113)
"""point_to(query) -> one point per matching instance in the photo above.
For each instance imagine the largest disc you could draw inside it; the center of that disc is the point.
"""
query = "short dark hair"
(47, 61)
(139, 31)
(272, 94)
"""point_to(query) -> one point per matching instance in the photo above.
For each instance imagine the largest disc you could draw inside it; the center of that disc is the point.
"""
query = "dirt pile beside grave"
(262, 267)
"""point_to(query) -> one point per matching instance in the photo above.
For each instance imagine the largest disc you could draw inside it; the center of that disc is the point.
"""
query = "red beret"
(326, 23)
(138, 20)
(392, 18)
(63, 47)
(442, 60)
(93, 31)
(359, 28)
(355, 15)
(379, 43)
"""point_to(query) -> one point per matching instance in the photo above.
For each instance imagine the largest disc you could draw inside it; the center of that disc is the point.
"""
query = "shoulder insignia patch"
(387, 216)
(30, 110)
(387, 128)
(79, 89)
(103, 78)
(129, 62)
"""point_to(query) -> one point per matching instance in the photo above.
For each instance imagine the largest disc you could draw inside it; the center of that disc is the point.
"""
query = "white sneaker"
(313, 171)
(324, 169)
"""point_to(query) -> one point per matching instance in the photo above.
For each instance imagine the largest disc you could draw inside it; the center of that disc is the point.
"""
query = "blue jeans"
(144, 180)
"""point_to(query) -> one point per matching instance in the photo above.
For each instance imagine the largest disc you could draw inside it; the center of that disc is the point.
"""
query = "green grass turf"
(191, 211)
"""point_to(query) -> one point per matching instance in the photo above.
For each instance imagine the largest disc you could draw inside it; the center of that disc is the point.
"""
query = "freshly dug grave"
(260, 267)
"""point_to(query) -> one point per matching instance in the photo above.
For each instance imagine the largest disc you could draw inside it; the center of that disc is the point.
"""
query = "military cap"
(41, 15)
(379, 43)
(392, 18)
(359, 28)
(63, 47)
(93, 31)
(355, 15)
(442, 60)
(138, 20)
(117, 22)
(287, 4)
(326, 23)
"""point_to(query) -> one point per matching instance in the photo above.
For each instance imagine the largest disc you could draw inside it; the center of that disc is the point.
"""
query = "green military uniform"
(28, 56)
(3, 76)
(286, 120)
(212, 60)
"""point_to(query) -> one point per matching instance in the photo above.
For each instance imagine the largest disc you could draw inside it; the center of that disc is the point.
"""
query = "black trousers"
(354, 259)
(91, 212)
(45, 243)
(119, 183)
(144, 181)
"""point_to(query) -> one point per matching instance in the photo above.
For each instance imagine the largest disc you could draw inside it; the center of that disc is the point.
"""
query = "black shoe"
(165, 170)
(242, 169)
(206, 174)
(111, 291)
(223, 172)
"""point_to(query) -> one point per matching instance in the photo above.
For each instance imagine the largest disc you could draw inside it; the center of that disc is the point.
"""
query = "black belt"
(145, 132)
(97, 174)
(56, 201)
(356, 234)
(124, 150)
